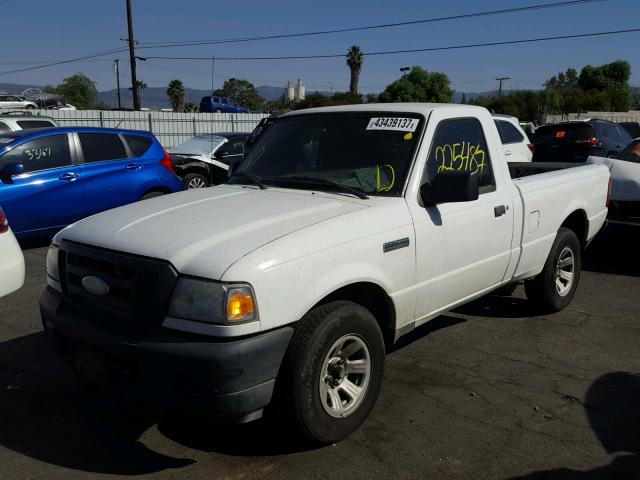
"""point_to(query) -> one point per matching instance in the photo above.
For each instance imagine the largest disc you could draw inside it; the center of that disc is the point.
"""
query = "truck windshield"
(369, 152)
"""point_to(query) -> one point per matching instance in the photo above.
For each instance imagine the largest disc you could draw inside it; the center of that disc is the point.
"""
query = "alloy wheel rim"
(345, 376)
(565, 271)
(196, 183)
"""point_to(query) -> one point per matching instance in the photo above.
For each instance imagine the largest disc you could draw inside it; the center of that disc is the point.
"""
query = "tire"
(152, 195)
(194, 180)
(218, 110)
(29, 107)
(552, 290)
(314, 354)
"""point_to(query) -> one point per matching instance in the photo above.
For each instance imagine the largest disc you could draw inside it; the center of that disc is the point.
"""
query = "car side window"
(138, 144)
(41, 153)
(216, 99)
(508, 133)
(624, 135)
(234, 146)
(4, 127)
(460, 145)
(224, 101)
(98, 147)
(631, 153)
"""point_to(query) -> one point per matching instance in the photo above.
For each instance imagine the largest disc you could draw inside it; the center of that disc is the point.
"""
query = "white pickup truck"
(344, 229)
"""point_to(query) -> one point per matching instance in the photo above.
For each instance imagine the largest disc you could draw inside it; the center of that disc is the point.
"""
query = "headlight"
(213, 302)
(53, 273)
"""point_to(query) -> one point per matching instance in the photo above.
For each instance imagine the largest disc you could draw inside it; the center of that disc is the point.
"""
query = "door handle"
(69, 177)
(507, 152)
(133, 166)
(499, 210)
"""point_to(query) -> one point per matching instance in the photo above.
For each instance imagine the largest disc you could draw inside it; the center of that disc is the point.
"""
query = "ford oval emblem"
(95, 286)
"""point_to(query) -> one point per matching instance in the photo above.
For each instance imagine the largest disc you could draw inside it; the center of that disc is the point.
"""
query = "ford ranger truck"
(344, 229)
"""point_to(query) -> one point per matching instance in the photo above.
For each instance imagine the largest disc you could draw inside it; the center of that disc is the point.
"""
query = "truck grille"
(139, 288)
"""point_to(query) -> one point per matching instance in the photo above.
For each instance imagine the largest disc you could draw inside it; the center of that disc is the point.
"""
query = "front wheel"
(332, 373)
(554, 288)
(194, 180)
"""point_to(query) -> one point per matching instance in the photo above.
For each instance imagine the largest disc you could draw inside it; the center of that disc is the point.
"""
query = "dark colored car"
(52, 177)
(214, 104)
(576, 140)
(204, 160)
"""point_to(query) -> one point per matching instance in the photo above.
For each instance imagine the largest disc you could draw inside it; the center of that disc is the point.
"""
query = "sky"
(35, 31)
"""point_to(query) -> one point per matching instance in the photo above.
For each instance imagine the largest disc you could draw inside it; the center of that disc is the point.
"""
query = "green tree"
(355, 59)
(371, 98)
(242, 92)
(141, 86)
(418, 86)
(175, 92)
(78, 90)
(190, 107)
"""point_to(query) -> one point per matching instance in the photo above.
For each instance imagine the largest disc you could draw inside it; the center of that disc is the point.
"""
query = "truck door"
(462, 248)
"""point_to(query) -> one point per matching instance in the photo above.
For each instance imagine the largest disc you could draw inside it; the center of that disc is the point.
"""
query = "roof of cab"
(413, 107)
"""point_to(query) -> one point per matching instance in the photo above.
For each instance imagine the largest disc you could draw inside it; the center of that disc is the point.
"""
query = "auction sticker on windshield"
(393, 123)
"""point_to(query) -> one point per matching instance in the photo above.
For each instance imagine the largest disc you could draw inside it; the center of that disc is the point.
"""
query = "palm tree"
(141, 86)
(355, 59)
(175, 92)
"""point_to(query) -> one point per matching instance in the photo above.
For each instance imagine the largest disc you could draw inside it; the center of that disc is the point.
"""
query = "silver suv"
(15, 101)
(11, 123)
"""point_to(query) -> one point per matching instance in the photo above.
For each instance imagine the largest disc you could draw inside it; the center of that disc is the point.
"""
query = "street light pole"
(116, 62)
(132, 58)
(501, 79)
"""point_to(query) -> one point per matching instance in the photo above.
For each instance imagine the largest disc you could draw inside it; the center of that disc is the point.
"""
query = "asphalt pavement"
(492, 390)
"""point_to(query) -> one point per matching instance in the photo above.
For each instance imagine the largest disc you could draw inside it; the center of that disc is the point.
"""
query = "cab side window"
(460, 145)
(508, 133)
(42, 153)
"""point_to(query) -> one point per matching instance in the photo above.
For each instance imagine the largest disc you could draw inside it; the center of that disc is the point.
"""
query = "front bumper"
(221, 378)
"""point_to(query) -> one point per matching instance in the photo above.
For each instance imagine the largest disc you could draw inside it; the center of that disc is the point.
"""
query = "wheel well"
(373, 298)
(198, 170)
(156, 189)
(577, 222)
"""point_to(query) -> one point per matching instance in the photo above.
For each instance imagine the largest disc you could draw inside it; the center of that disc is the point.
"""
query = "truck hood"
(207, 230)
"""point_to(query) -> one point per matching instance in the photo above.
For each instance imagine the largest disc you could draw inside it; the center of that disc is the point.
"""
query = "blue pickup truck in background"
(52, 177)
(214, 104)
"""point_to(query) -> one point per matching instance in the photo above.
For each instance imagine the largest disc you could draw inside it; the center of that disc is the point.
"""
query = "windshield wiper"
(253, 178)
(323, 182)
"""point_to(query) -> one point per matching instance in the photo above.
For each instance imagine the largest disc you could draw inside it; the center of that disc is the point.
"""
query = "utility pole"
(132, 58)
(213, 69)
(501, 79)
(404, 70)
(116, 64)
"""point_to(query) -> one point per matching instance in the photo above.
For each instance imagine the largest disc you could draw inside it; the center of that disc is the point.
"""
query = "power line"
(62, 62)
(542, 6)
(413, 50)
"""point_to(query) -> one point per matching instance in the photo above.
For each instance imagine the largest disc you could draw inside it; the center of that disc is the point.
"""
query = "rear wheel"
(332, 372)
(194, 180)
(29, 107)
(555, 287)
(152, 195)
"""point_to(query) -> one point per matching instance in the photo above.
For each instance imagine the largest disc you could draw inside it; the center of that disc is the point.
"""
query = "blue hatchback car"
(52, 177)
(215, 104)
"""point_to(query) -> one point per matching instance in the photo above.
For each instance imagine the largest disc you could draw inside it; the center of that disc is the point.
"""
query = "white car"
(343, 229)
(515, 142)
(14, 101)
(15, 122)
(11, 259)
(625, 184)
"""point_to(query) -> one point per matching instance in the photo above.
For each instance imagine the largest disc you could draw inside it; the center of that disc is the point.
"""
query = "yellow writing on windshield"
(462, 156)
(389, 186)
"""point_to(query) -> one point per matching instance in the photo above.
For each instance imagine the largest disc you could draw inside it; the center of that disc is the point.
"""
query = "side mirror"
(10, 170)
(449, 187)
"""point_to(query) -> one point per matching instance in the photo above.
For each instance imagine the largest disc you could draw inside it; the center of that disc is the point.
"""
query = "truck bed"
(524, 169)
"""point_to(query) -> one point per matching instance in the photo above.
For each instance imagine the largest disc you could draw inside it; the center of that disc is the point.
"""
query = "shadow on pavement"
(48, 416)
(499, 306)
(36, 242)
(615, 250)
(438, 323)
(612, 405)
